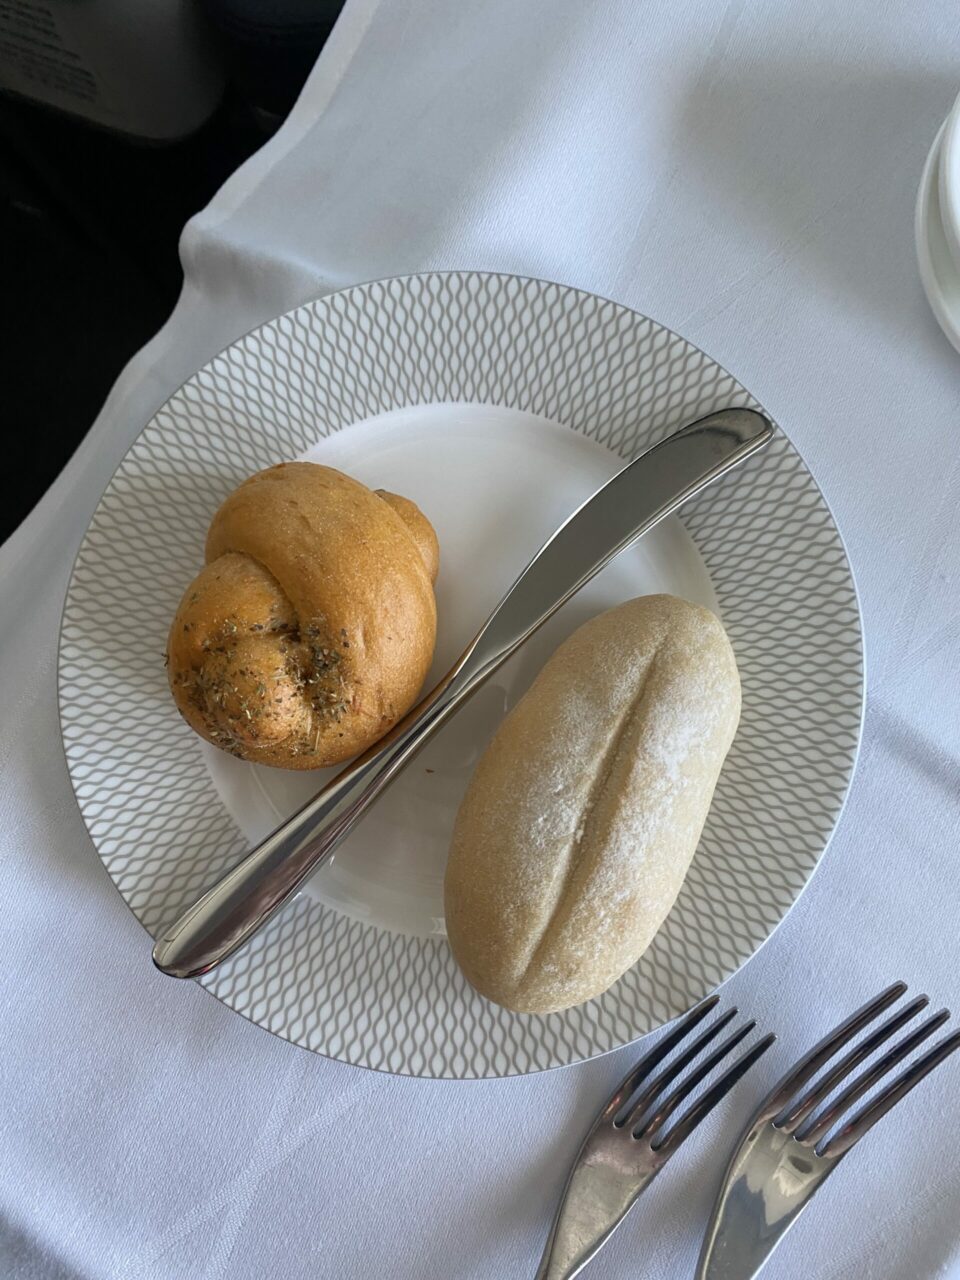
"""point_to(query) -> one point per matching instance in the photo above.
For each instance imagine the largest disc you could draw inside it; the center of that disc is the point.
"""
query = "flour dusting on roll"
(584, 813)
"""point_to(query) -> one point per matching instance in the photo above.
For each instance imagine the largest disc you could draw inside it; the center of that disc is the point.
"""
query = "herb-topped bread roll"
(310, 630)
(583, 815)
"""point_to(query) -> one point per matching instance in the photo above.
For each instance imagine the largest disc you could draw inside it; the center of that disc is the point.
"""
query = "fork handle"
(590, 1210)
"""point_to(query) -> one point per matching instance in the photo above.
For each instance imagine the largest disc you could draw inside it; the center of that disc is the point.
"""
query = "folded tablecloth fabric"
(745, 173)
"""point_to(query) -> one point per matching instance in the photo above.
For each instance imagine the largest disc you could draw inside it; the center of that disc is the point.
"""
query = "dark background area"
(90, 222)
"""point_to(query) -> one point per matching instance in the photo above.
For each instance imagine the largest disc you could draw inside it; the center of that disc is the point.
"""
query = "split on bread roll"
(311, 628)
(583, 815)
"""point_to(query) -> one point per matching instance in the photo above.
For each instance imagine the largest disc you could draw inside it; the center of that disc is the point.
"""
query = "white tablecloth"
(744, 172)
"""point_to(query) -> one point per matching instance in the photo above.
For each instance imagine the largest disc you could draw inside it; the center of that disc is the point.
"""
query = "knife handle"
(633, 501)
(244, 899)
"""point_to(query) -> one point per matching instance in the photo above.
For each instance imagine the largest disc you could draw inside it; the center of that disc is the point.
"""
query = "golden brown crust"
(310, 630)
(420, 528)
(582, 817)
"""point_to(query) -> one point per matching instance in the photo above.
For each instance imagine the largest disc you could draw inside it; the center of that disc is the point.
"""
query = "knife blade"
(627, 506)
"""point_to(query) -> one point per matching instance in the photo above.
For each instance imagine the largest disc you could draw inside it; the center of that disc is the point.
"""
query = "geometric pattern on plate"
(774, 555)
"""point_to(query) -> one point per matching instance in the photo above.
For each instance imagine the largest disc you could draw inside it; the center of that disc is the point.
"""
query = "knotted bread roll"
(310, 630)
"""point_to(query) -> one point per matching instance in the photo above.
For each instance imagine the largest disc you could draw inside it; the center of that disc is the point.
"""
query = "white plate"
(939, 274)
(948, 181)
(497, 404)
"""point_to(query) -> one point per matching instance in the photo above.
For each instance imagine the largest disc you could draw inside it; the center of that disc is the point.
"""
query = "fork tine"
(810, 1064)
(812, 1132)
(686, 1086)
(792, 1119)
(673, 1069)
(657, 1054)
(865, 1119)
(702, 1108)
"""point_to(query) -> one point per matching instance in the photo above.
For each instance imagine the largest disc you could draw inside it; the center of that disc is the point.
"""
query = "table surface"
(745, 173)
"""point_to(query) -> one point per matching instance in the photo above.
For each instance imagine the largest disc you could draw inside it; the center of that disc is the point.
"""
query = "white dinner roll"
(584, 813)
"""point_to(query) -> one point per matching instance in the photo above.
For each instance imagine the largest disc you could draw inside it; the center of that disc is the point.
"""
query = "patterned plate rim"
(857, 639)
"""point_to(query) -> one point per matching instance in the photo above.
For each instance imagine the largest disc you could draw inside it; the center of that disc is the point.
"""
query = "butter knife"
(637, 498)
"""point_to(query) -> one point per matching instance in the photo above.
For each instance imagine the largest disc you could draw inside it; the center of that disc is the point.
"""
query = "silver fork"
(628, 1145)
(786, 1154)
